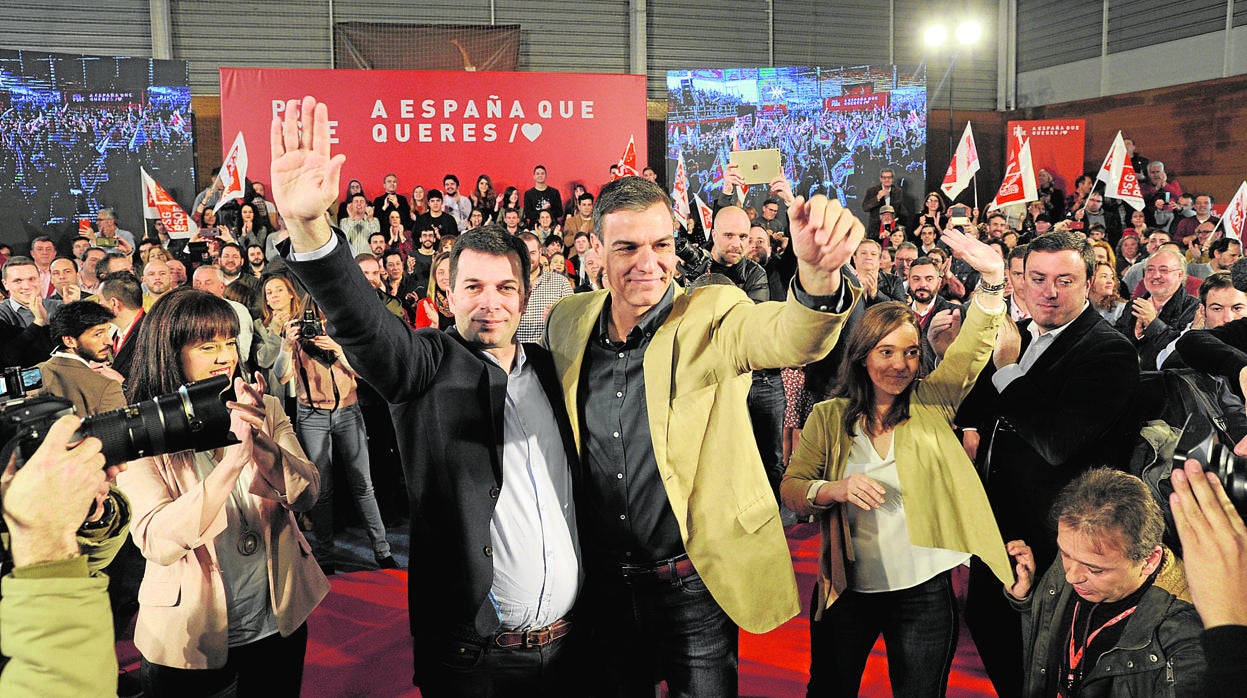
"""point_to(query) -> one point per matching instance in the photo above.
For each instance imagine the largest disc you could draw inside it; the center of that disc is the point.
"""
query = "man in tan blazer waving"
(680, 531)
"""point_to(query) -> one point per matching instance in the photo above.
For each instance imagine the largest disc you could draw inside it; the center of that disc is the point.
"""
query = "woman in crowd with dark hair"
(229, 582)
(511, 199)
(352, 188)
(882, 467)
(434, 309)
(932, 212)
(252, 228)
(485, 198)
(546, 227)
(476, 218)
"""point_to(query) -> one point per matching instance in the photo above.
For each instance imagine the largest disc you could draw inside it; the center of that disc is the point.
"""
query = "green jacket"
(1159, 652)
(56, 625)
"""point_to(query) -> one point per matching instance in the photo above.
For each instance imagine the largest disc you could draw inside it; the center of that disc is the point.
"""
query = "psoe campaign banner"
(422, 125)
(1057, 145)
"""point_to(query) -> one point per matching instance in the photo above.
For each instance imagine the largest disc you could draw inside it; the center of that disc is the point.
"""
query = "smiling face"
(893, 363)
(488, 298)
(215, 357)
(22, 282)
(638, 257)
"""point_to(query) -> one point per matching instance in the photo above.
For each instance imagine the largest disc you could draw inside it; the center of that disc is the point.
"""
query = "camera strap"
(307, 387)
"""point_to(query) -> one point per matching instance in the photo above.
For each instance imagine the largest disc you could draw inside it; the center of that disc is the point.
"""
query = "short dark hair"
(387, 254)
(433, 194)
(383, 236)
(493, 239)
(451, 178)
(357, 195)
(996, 214)
(628, 194)
(1018, 252)
(236, 246)
(75, 262)
(539, 167)
(123, 286)
(41, 238)
(1106, 503)
(1215, 281)
(584, 197)
(102, 266)
(924, 259)
(75, 318)
(1220, 245)
(16, 261)
(1062, 240)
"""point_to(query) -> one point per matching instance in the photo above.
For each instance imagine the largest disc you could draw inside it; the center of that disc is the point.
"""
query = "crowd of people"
(566, 391)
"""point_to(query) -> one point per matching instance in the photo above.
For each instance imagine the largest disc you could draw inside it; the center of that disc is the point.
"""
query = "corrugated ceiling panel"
(102, 28)
(684, 34)
(1054, 33)
(1141, 23)
(292, 34)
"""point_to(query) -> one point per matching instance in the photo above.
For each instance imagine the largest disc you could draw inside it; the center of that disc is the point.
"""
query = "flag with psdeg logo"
(679, 191)
(706, 213)
(157, 204)
(964, 165)
(1120, 179)
(627, 163)
(1235, 217)
(233, 172)
(1018, 186)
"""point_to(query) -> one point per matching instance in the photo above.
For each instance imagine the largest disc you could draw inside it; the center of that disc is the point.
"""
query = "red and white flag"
(964, 165)
(233, 172)
(706, 213)
(1120, 179)
(679, 191)
(158, 204)
(1235, 217)
(1018, 186)
(627, 163)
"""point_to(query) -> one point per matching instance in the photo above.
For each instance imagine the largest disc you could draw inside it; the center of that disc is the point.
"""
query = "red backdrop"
(422, 125)
(1056, 145)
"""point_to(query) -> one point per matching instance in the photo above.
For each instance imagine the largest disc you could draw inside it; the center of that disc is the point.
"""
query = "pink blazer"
(183, 617)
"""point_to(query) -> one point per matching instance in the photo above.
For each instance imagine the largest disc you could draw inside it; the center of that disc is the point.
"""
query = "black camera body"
(194, 417)
(694, 261)
(1200, 440)
(17, 382)
(310, 327)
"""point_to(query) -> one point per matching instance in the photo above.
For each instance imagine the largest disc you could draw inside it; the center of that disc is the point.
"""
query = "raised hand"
(984, 258)
(824, 236)
(303, 176)
(1025, 569)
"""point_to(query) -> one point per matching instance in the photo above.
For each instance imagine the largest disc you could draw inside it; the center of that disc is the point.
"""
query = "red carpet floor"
(359, 643)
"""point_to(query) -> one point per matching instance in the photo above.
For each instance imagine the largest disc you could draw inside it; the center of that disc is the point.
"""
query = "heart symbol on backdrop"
(531, 131)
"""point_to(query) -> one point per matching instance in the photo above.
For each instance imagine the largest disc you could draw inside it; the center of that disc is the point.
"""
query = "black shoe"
(387, 563)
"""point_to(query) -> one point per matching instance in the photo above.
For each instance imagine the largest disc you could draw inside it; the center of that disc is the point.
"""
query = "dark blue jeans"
(766, 411)
(646, 632)
(919, 627)
(272, 666)
(461, 669)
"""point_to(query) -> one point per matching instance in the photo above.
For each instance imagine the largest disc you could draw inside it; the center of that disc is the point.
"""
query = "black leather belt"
(664, 570)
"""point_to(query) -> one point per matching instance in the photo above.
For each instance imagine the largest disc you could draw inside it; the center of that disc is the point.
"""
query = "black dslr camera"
(694, 261)
(1199, 440)
(193, 417)
(311, 327)
(16, 382)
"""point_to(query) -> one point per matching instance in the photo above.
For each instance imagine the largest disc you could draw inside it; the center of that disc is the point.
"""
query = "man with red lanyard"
(1112, 616)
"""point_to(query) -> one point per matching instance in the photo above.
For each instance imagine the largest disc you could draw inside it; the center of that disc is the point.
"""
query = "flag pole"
(974, 182)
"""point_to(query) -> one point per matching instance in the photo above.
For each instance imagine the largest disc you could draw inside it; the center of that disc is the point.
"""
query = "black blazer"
(125, 357)
(1175, 315)
(1068, 413)
(446, 401)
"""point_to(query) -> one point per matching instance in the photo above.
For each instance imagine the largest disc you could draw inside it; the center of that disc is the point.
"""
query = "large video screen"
(74, 131)
(836, 127)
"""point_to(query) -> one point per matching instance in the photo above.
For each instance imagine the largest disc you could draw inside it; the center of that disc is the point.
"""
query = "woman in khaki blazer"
(230, 580)
(900, 502)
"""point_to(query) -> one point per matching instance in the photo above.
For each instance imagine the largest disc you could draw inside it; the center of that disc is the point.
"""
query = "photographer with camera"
(227, 589)
(330, 420)
(55, 623)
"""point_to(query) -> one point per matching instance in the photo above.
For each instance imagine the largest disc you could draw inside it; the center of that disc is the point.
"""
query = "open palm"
(304, 177)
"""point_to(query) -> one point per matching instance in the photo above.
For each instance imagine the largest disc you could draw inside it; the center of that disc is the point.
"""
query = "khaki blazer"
(697, 376)
(945, 505)
(183, 619)
(73, 380)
